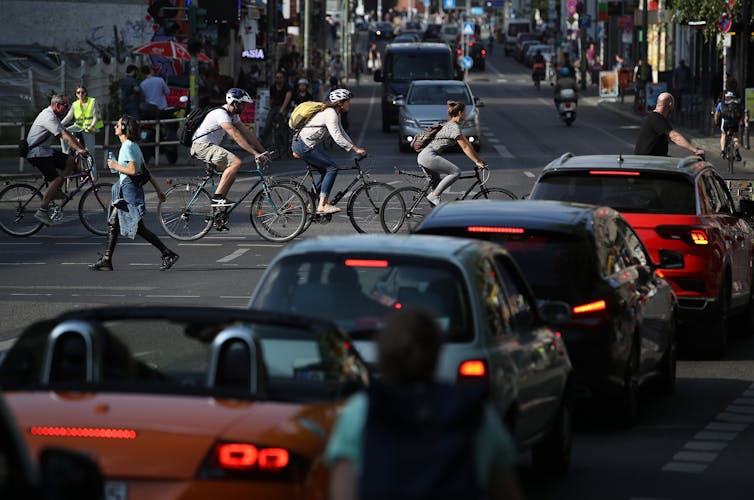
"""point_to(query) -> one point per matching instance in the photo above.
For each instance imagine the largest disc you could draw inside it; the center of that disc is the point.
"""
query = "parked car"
(622, 329)
(679, 204)
(425, 103)
(494, 331)
(185, 402)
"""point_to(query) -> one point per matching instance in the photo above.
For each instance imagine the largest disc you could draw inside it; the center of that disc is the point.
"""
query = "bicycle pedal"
(222, 228)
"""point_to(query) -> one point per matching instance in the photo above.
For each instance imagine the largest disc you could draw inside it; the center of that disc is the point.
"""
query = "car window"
(708, 193)
(420, 66)
(358, 295)
(426, 94)
(494, 302)
(520, 305)
(726, 204)
(645, 193)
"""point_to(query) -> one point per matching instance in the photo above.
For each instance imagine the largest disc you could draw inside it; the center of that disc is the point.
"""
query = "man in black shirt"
(280, 98)
(656, 130)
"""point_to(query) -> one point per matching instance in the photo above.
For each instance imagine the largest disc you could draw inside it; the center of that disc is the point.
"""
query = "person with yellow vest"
(85, 118)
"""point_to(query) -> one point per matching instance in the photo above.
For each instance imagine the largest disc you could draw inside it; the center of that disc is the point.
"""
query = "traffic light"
(197, 19)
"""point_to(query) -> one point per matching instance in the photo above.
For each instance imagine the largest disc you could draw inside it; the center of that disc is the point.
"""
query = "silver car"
(425, 103)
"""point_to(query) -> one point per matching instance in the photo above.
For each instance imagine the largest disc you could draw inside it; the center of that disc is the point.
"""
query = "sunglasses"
(80, 92)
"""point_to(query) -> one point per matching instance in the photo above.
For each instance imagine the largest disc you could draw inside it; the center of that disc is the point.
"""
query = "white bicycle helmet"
(340, 95)
(237, 95)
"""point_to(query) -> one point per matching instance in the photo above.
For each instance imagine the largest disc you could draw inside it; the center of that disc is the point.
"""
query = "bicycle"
(19, 202)
(277, 210)
(281, 136)
(405, 208)
(746, 135)
(729, 150)
(364, 202)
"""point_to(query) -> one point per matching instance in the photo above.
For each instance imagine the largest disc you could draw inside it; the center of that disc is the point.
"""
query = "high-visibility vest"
(83, 117)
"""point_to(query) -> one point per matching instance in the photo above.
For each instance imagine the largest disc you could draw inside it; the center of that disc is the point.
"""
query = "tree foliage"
(708, 11)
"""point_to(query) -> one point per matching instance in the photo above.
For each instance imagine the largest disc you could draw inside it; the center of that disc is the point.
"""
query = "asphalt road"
(695, 445)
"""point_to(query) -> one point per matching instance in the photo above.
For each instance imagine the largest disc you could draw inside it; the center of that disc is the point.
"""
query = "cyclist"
(728, 113)
(307, 144)
(281, 94)
(205, 144)
(302, 92)
(449, 135)
(52, 164)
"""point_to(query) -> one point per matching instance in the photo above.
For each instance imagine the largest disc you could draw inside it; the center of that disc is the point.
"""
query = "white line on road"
(21, 243)
(200, 244)
(79, 287)
(77, 243)
(173, 296)
(367, 121)
(235, 297)
(22, 263)
(503, 151)
(528, 174)
(705, 446)
(718, 436)
(734, 417)
(260, 245)
(744, 401)
(689, 468)
(719, 426)
(233, 255)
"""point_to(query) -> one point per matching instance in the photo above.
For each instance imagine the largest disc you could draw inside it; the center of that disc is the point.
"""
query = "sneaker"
(42, 216)
(222, 201)
(738, 155)
(328, 209)
(433, 199)
(168, 259)
(722, 154)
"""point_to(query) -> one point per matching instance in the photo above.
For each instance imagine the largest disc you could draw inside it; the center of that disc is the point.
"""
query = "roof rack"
(563, 158)
(688, 161)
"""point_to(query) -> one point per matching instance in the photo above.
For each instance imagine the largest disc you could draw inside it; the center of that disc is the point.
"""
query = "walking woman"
(127, 212)
(307, 144)
(439, 168)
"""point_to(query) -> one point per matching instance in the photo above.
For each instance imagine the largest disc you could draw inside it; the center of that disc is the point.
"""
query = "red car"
(679, 204)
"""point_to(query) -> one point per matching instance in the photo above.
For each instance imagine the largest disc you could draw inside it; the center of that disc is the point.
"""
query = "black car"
(433, 33)
(622, 328)
(477, 52)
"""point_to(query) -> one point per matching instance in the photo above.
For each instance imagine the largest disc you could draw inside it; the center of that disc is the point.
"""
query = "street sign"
(467, 62)
(571, 6)
(585, 21)
(448, 4)
(724, 22)
(468, 28)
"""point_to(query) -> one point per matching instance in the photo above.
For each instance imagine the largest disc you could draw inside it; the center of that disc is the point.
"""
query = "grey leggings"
(437, 167)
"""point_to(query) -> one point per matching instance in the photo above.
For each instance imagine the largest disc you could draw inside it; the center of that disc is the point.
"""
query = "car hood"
(173, 434)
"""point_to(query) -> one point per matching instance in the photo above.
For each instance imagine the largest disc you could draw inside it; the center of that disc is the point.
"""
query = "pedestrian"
(374, 60)
(302, 93)
(316, 87)
(656, 131)
(280, 98)
(412, 437)
(128, 207)
(336, 69)
(154, 89)
(85, 117)
(642, 75)
(52, 164)
(130, 92)
(681, 83)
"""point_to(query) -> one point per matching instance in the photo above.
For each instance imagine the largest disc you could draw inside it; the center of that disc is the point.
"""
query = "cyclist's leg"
(328, 169)
(440, 166)
(722, 138)
(223, 160)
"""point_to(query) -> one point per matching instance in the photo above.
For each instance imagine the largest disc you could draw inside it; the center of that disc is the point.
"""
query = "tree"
(708, 11)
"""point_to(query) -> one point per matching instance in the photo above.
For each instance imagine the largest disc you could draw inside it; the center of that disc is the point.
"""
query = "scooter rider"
(565, 81)
(538, 68)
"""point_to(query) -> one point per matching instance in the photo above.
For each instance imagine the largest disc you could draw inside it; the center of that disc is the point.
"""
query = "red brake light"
(690, 235)
(493, 229)
(273, 458)
(591, 307)
(613, 172)
(699, 237)
(473, 368)
(246, 456)
(366, 262)
(83, 432)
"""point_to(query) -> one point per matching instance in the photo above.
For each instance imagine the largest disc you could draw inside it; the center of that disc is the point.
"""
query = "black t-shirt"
(654, 135)
(277, 95)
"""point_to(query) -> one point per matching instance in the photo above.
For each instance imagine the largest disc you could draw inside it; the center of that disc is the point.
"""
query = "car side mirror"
(478, 102)
(670, 259)
(378, 75)
(70, 474)
(554, 312)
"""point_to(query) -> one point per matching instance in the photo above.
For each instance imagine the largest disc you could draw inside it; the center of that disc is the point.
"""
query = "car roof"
(435, 83)
(530, 214)
(418, 47)
(690, 166)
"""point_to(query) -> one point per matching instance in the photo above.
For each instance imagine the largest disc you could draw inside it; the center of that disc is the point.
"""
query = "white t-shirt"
(211, 130)
(46, 123)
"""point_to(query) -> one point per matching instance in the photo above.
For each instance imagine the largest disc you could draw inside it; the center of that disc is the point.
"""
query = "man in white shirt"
(207, 138)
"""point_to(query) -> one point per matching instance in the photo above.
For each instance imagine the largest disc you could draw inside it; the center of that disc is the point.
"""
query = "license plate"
(116, 490)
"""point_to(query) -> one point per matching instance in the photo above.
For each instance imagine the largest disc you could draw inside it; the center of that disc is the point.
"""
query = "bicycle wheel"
(309, 198)
(94, 207)
(186, 213)
(404, 209)
(730, 154)
(495, 193)
(18, 202)
(278, 213)
(364, 206)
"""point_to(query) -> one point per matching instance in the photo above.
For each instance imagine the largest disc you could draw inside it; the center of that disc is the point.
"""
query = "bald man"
(656, 131)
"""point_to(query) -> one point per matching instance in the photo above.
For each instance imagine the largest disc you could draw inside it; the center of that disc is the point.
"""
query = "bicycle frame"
(360, 178)
(88, 182)
(209, 177)
(469, 174)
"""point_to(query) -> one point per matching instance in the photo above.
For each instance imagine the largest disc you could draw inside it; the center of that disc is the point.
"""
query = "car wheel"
(552, 455)
(628, 402)
(666, 380)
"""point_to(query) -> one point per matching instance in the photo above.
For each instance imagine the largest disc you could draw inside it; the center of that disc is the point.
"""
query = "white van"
(511, 29)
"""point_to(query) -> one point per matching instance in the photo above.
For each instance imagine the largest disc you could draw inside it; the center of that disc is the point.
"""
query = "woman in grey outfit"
(439, 168)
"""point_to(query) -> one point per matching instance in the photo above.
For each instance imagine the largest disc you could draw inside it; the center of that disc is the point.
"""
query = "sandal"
(329, 209)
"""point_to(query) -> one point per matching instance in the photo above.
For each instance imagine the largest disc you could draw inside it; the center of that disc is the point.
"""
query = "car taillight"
(690, 235)
(495, 229)
(590, 308)
(614, 172)
(240, 460)
(83, 432)
(472, 369)
(366, 263)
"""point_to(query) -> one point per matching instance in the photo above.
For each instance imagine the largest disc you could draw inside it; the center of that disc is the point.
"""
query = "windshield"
(420, 66)
(358, 296)
(437, 94)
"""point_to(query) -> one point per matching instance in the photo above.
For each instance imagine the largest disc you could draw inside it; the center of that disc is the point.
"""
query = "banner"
(608, 84)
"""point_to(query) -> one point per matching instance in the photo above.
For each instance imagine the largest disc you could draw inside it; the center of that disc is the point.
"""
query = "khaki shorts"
(212, 153)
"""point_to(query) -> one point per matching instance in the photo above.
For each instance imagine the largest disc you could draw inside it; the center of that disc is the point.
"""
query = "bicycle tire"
(94, 207)
(180, 218)
(279, 216)
(730, 153)
(18, 203)
(364, 206)
(404, 209)
(495, 193)
(747, 137)
(308, 197)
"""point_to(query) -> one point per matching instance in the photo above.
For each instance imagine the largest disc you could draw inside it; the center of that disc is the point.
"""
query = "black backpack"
(730, 110)
(191, 124)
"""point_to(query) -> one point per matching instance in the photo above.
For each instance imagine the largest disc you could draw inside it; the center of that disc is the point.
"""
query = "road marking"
(75, 243)
(233, 255)
(734, 417)
(201, 244)
(503, 151)
(260, 245)
(236, 297)
(720, 436)
(492, 139)
(748, 410)
(367, 120)
(528, 174)
(744, 401)
(30, 294)
(694, 456)
(79, 287)
(75, 263)
(689, 468)
(22, 263)
(21, 243)
(173, 296)
(717, 426)
(705, 446)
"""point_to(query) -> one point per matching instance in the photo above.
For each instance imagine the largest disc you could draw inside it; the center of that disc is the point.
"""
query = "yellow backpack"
(303, 113)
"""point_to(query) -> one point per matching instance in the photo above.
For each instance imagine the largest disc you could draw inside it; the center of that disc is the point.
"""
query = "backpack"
(426, 136)
(303, 113)
(191, 124)
(731, 110)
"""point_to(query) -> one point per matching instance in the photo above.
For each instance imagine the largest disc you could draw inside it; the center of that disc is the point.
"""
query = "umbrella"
(169, 49)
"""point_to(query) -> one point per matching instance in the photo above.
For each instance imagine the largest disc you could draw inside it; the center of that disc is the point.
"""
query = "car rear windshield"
(420, 65)
(358, 293)
(641, 193)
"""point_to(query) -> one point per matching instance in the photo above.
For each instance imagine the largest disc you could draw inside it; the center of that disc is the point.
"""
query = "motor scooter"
(168, 131)
(537, 73)
(567, 104)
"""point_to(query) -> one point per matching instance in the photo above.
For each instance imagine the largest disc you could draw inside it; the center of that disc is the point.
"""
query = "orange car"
(186, 402)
